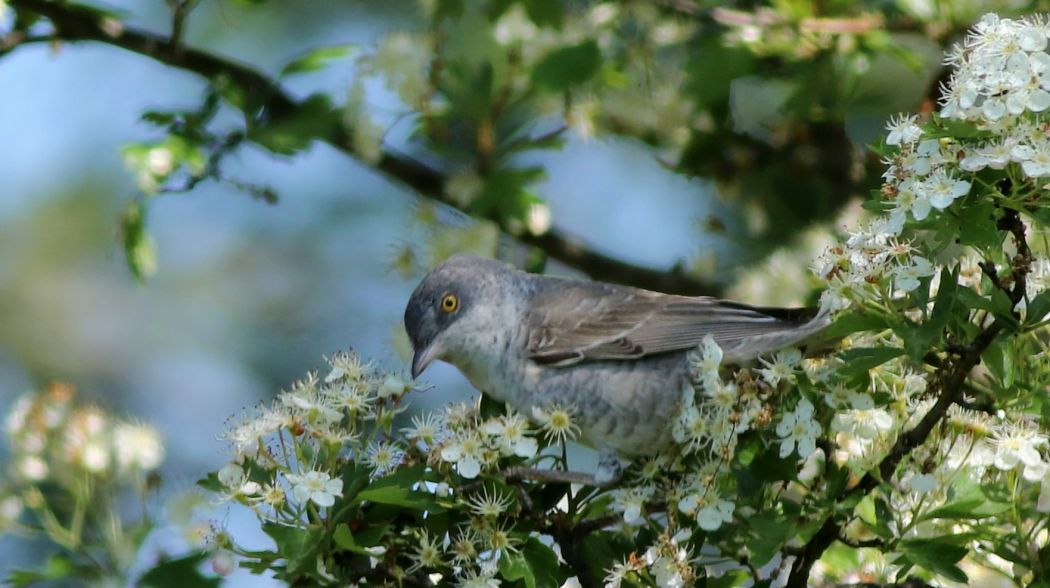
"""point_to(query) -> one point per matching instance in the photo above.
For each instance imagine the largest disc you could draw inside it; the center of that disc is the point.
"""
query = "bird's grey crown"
(474, 280)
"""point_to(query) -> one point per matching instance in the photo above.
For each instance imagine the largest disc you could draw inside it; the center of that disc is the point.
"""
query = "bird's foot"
(610, 467)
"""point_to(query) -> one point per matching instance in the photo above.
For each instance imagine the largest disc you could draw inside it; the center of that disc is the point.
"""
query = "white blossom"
(798, 428)
(903, 130)
(782, 367)
(510, 435)
(317, 487)
(631, 502)
(1018, 445)
(465, 451)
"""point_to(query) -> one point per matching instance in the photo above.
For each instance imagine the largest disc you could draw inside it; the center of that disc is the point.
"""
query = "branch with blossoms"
(67, 478)
(999, 90)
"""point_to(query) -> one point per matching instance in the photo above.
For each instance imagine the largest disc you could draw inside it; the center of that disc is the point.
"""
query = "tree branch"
(269, 102)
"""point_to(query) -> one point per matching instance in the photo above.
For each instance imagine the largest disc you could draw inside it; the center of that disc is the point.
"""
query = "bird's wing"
(571, 322)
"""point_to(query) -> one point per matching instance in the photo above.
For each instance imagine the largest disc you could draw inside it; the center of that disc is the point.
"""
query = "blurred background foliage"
(276, 189)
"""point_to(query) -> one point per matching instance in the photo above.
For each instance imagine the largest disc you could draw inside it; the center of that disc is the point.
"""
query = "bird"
(616, 355)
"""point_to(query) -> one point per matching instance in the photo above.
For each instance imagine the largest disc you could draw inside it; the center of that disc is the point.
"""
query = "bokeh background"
(248, 296)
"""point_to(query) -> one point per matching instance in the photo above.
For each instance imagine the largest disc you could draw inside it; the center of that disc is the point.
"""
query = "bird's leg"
(610, 467)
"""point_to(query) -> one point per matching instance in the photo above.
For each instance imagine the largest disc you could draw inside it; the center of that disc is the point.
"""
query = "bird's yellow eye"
(449, 303)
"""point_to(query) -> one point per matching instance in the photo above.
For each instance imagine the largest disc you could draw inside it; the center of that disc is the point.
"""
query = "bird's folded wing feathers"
(572, 322)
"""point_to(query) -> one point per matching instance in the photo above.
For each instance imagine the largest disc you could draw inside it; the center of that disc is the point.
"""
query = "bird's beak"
(422, 358)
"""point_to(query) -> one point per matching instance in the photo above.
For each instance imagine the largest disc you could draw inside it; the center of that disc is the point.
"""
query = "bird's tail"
(798, 328)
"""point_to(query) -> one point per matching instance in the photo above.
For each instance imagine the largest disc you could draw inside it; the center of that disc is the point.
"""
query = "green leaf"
(972, 300)
(859, 361)
(1038, 307)
(512, 566)
(297, 545)
(316, 59)
(344, 538)
(873, 512)
(920, 339)
(866, 510)
(58, 567)
(1002, 307)
(447, 9)
(396, 490)
(853, 322)
(545, 13)
(211, 482)
(563, 68)
(968, 509)
(179, 572)
(315, 119)
(769, 466)
(601, 549)
(544, 564)
(712, 70)
(769, 534)
(936, 555)
(732, 579)
(967, 500)
(978, 221)
(138, 246)
(355, 479)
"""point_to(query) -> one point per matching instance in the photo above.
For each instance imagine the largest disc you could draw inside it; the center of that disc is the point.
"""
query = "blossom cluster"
(290, 460)
(944, 178)
(667, 563)
(298, 439)
(52, 439)
(68, 472)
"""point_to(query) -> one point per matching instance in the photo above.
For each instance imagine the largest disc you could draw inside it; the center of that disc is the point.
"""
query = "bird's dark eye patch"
(450, 303)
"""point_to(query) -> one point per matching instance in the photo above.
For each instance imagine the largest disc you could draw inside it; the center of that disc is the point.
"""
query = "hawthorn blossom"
(705, 361)
(137, 447)
(428, 553)
(317, 487)
(428, 429)
(798, 428)
(489, 504)
(707, 506)
(1017, 445)
(510, 434)
(941, 188)
(557, 422)
(631, 502)
(347, 366)
(782, 367)
(691, 430)
(902, 130)
(466, 451)
(384, 457)
(906, 276)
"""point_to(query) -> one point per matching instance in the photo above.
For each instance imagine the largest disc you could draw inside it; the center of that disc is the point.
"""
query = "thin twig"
(549, 476)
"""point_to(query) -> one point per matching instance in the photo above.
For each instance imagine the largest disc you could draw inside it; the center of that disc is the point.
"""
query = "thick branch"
(74, 23)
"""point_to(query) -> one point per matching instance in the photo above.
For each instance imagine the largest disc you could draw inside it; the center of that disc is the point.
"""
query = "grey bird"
(615, 355)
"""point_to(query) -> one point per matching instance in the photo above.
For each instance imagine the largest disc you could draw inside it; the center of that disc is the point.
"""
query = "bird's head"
(457, 298)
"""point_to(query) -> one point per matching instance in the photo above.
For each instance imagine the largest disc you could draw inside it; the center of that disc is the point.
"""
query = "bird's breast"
(624, 405)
